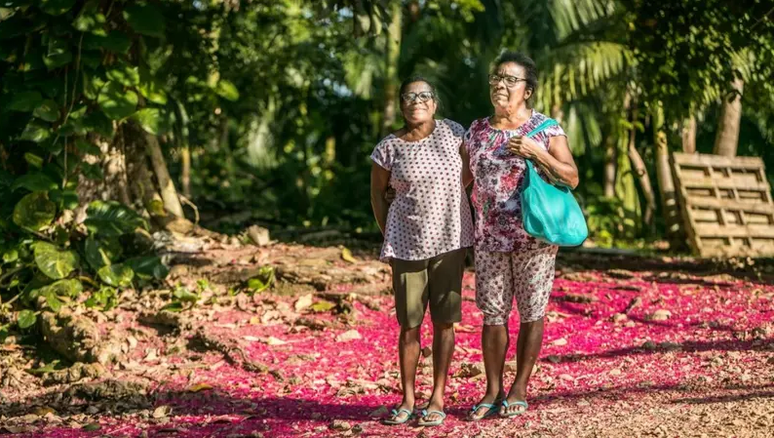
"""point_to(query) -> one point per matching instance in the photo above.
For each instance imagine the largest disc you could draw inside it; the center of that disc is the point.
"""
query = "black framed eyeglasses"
(510, 81)
(420, 97)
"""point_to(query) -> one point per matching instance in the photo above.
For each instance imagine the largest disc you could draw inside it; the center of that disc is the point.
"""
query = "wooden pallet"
(726, 204)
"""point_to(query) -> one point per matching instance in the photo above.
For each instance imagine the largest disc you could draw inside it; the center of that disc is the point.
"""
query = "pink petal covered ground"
(719, 336)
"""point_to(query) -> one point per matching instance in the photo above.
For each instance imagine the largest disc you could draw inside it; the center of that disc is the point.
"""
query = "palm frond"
(573, 71)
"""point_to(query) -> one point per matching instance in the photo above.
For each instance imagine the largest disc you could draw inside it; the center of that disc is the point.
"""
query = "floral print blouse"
(498, 175)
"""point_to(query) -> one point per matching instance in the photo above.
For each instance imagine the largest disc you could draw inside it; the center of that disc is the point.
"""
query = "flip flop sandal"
(395, 414)
(513, 414)
(492, 410)
(426, 413)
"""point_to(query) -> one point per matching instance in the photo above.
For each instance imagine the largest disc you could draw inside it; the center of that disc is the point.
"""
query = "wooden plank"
(754, 163)
(709, 183)
(756, 250)
(712, 203)
(713, 230)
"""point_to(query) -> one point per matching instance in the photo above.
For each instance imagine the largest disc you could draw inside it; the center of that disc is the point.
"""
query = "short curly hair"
(526, 62)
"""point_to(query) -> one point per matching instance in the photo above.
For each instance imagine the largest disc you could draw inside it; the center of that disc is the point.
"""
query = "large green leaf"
(101, 252)
(116, 102)
(56, 7)
(36, 131)
(262, 281)
(152, 120)
(92, 84)
(10, 256)
(108, 218)
(34, 211)
(58, 60)
(90, 19)
(25, 101)
(118, 275)
(150, 266)
(53, 302)
(153, 91)
(65, 199)
(26, 319)
(145, 19)
(70, 287)
(48, 110)
(55, 263)
(33, 160)
(35, 182)
(124, 74)
(227, 90)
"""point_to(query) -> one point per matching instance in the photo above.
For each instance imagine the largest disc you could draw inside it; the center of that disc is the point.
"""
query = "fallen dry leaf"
(660, 315)
(347, 256)
(303, 302)
(350, 335)
(199, 387)
(271, 340)
(162, 411)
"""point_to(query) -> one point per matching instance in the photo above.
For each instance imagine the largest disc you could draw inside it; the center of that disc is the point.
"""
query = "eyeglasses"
(510, 81)
(420, 97)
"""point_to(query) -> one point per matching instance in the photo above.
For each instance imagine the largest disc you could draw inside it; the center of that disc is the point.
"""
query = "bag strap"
(547, 123)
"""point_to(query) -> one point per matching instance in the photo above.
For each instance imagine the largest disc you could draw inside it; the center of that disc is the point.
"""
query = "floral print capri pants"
(526, 275)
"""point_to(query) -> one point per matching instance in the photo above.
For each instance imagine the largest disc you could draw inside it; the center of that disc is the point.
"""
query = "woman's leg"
(409, 281)
(494, 297)
(534, 278)
(445, 283)
(408, 351)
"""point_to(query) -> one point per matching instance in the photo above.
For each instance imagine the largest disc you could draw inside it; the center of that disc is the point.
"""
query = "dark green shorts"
(437, 281)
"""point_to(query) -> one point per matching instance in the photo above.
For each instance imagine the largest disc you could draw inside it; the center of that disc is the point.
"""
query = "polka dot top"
(430, 214)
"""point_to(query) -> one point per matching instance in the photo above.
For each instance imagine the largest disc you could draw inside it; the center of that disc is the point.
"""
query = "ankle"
(435, 402)
(518, 392)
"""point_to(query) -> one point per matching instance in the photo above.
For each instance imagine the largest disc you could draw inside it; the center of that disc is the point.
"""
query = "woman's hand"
(390, 195)
(523, 146)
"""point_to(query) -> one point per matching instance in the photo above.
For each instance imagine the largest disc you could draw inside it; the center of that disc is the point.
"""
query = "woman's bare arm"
(558, 163)
(467, 175)
(380, 179)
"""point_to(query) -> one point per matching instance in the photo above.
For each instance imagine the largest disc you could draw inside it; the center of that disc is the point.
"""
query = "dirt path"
(627, 353)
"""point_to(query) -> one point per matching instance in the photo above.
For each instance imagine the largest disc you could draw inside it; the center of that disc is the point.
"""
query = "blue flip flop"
(513, 414)
(492, 410)
(426, 413)
(395, 413)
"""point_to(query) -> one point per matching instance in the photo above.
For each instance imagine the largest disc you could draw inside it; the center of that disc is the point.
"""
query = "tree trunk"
(610, 164)
(727, 137)
(166, 185)
(640, 170)
(391, 74)
(689, 135)
(666, 183)
(185, 173)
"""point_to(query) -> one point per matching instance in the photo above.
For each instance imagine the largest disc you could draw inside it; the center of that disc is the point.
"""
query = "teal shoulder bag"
(550, 213)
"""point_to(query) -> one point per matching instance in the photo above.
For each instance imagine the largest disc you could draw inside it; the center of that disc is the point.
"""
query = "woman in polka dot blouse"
(426, 228)
(509, 262)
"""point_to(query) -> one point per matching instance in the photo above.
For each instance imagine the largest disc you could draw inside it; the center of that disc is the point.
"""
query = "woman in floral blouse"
(510, 263)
